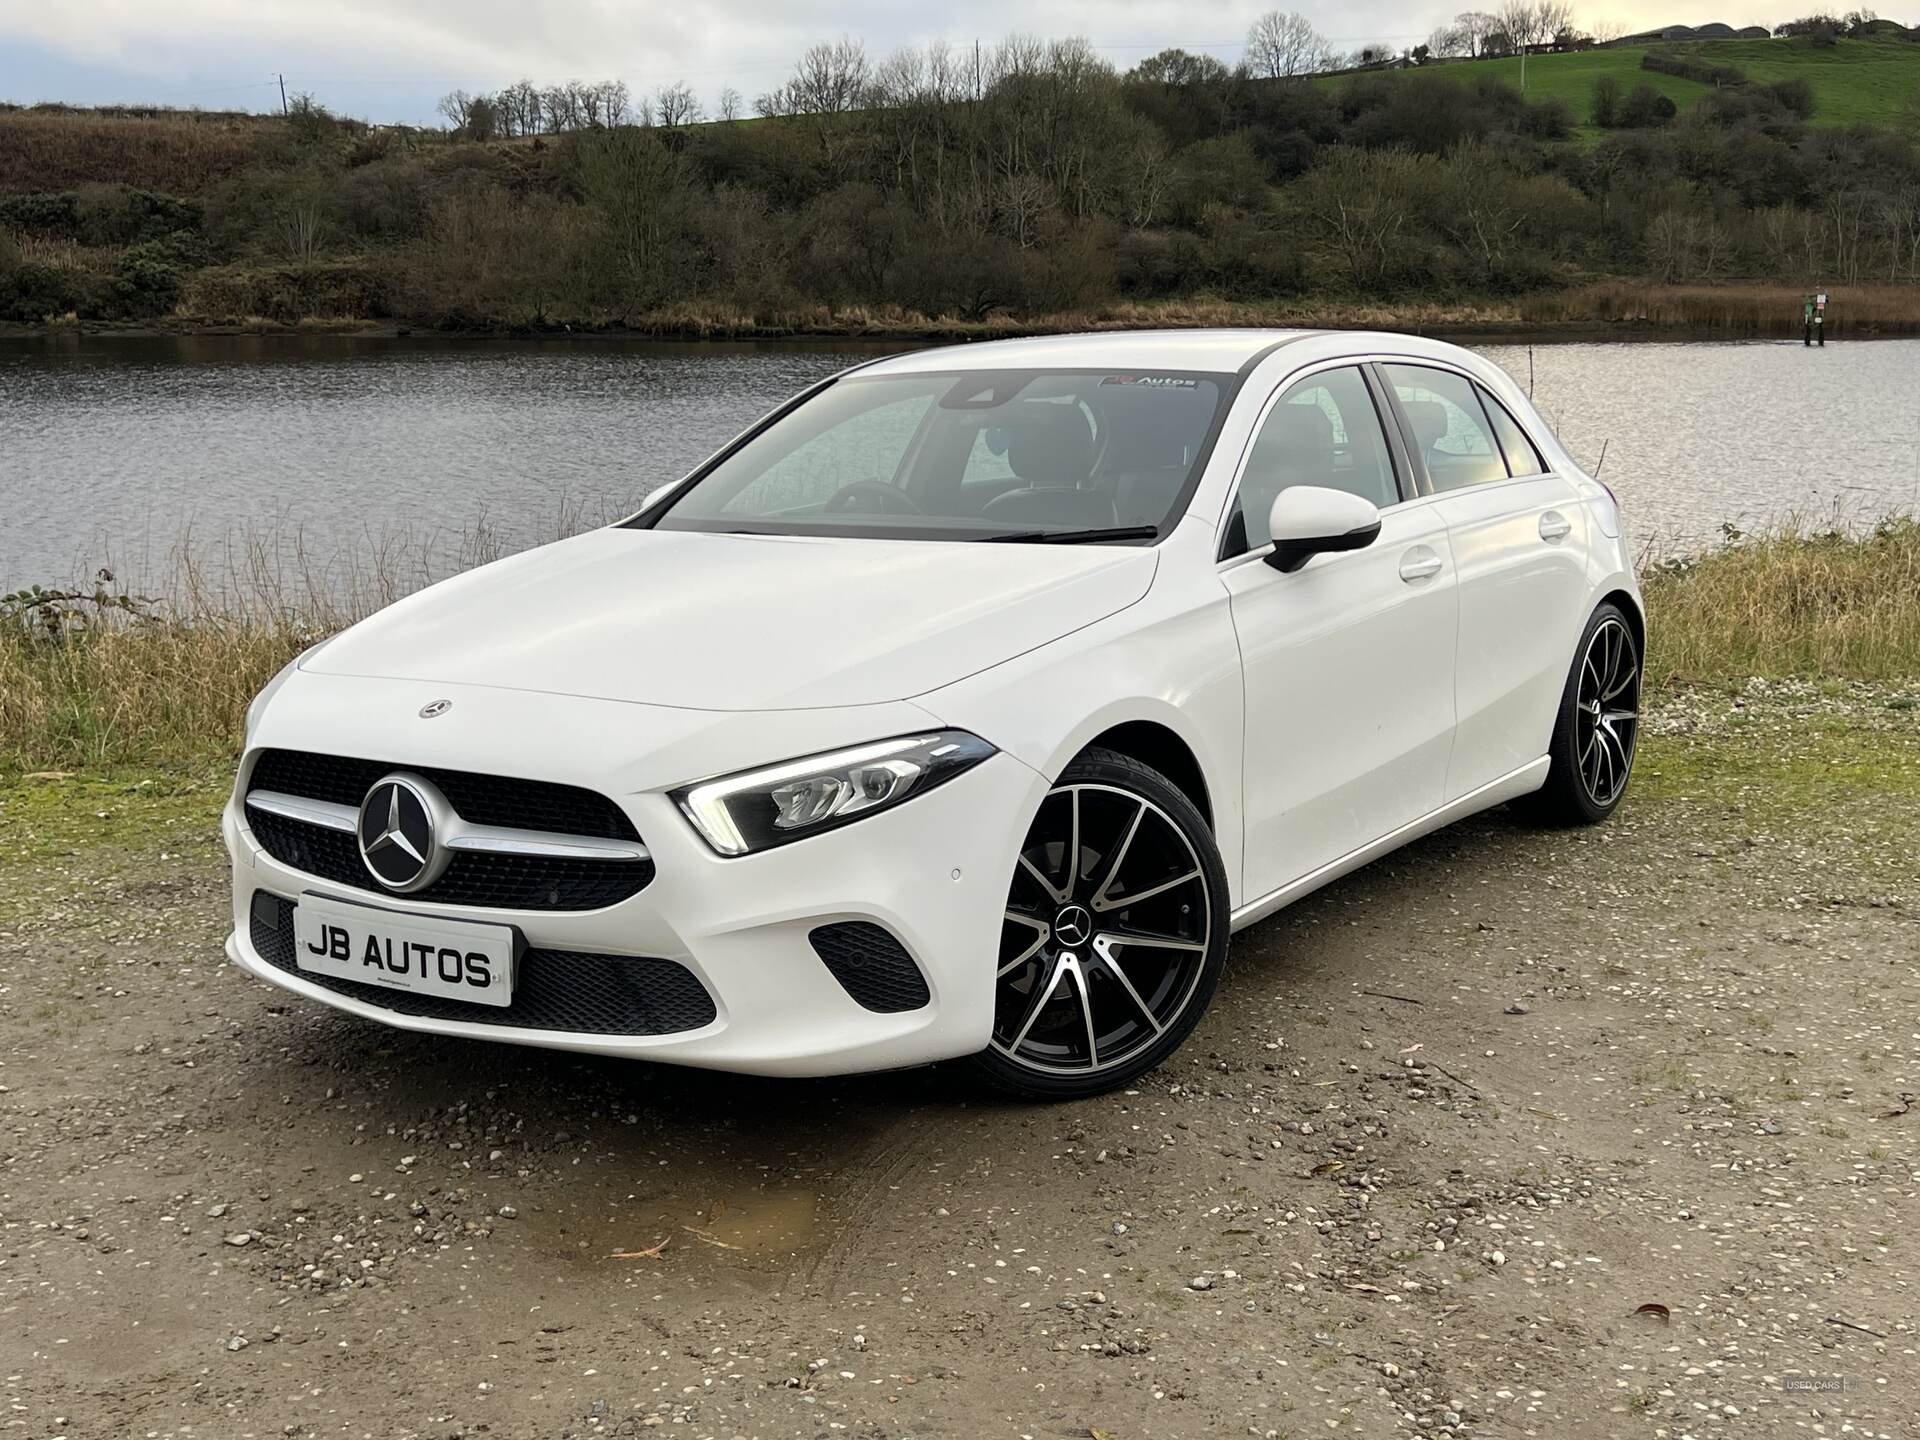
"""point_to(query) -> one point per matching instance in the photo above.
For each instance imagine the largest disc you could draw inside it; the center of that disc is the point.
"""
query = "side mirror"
(1307, 520)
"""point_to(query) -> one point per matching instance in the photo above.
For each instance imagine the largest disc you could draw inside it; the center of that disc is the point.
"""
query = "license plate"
(455, 959)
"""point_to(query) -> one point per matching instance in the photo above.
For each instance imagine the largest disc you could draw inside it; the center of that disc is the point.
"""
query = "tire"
(1597, 728)
(1115, 934)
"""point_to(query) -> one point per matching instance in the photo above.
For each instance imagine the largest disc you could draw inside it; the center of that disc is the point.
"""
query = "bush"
(1646, 107)
(343, 289)
(1606, 101)
(100, 214)
(1795, 96)
(31, 292)
(1691, 67)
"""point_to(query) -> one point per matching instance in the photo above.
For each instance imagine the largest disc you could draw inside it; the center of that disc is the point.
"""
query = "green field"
(1854, 82)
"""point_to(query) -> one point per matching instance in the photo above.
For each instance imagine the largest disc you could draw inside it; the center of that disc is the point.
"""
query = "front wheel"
(1595, 733)
(1114, 936)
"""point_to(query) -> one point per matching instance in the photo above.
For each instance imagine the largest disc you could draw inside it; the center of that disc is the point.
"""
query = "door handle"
(1419, 564)
(1555, 526)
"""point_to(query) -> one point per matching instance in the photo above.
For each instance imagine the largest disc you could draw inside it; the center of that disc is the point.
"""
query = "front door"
(1348, 662)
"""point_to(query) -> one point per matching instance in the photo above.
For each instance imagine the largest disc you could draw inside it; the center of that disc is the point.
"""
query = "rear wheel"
(1596, 733)
(1114, 935)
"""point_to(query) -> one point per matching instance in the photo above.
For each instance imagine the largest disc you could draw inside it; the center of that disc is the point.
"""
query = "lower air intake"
(871, 966)
(554, 989)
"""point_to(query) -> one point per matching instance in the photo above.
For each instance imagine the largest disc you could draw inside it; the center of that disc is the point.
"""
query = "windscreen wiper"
(1080, 537)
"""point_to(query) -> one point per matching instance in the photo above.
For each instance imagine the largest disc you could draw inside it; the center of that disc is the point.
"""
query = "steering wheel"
(891, 498)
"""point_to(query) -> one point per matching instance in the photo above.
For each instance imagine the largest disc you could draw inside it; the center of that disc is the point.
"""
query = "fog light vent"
(871, 966)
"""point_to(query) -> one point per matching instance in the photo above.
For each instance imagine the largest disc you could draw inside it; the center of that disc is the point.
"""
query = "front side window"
(1449, 426)
(964, 456)
(1324, 431)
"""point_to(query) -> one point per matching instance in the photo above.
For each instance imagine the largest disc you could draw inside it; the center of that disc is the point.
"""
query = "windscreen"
(958, 456)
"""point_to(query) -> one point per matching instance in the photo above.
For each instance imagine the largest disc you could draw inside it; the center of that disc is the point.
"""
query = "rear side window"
(1449, 426)
(1522, 457)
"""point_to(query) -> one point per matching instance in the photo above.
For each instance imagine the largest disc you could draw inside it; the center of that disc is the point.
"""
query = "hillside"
(1063, 193)
(1855, 82)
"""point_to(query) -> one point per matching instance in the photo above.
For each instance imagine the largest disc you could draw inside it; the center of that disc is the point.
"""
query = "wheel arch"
(1156, 745)
(1630, 606)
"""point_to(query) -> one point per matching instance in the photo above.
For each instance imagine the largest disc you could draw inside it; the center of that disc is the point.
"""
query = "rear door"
(1519, 547)
(1348, 662)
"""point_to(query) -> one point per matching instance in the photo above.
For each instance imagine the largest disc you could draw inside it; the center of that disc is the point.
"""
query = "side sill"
(1526, 779)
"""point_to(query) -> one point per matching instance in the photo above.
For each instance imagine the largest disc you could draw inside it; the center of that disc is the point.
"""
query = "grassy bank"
(107, 680)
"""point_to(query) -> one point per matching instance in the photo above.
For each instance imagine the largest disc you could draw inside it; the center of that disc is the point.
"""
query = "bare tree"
(453, 108)
(1528, 23)
(1283, 43)
(829, 80)
(519, 106)
(1553, 19)
(676, 105)
(1474, 26)
(729, 104)
(616, 102)
(303, 232)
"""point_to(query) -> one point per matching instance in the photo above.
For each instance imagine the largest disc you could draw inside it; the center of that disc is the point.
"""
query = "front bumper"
(933, 872)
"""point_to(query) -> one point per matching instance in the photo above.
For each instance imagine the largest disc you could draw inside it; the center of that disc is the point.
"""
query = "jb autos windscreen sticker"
(1153, 382)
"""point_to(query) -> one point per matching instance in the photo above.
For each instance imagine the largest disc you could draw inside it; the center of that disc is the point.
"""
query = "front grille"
(481, 799)
(553, 990)
(505, 882)
(871, 966)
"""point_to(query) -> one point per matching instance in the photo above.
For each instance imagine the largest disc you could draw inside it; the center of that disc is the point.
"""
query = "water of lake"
(330, 449)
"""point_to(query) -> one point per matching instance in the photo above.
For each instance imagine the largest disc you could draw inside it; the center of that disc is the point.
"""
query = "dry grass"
(718, 320)
(1739, 309)
(168, 682)
(62, 253)
(118, 676)
(181, 154)
(1794, 602)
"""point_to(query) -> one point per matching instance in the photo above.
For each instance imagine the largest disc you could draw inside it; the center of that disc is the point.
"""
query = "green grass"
(1570, 77)
(65, 833)
(1855, 82)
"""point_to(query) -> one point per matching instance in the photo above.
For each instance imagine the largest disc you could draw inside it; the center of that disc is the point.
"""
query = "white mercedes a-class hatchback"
(960, 707)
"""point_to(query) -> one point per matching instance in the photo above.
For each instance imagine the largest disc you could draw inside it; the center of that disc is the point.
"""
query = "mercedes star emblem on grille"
(397, 833)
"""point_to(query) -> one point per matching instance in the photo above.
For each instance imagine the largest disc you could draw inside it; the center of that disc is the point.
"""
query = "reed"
(103, 676)
(1736, 309)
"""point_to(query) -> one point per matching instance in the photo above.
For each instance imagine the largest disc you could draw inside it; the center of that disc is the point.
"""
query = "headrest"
(1049, 444)
(1429, 421)
(1303, 431)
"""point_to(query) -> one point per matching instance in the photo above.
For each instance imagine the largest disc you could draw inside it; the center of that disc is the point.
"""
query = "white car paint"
(1331, 714)
(739, 622)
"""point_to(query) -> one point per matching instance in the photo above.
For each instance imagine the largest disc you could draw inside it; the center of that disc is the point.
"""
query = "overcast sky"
(389, 60)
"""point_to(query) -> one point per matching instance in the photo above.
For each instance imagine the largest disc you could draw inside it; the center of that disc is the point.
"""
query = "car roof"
(1220, 351)
(1216, 351)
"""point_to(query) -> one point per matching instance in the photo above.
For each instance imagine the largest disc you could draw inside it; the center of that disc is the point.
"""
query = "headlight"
(737, 814)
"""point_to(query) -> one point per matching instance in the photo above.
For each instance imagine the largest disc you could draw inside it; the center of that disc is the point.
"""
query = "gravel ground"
(1515, 1133)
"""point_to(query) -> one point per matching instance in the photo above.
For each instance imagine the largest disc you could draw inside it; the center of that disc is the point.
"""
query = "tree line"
(1026, 178)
